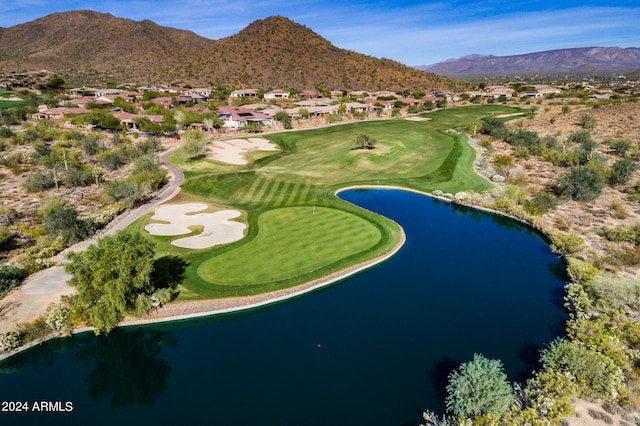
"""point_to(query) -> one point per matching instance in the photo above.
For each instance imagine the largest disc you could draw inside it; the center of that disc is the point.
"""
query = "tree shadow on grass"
(168, 272)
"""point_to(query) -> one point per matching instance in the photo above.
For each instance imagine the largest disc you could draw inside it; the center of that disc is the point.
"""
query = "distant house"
(547, 90)
(276, 94)
(128, 120)
(82, 92)
(245, 93)
(310, 94)
(236, 117)
(58, 113)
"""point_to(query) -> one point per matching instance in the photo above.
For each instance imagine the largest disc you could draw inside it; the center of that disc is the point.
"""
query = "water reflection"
(126, 366)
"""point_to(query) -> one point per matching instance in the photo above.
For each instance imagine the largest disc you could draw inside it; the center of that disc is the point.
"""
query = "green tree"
(60, 219)
(194, 144)
(495, 128)
(109, 276)
(541, 202)
(581, 184)
(364, 141)
(253, 127)
(622, 171)
(479, 387)
(283, 118)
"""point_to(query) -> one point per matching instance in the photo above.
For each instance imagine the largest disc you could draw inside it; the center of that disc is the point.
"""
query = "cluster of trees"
(588, 171)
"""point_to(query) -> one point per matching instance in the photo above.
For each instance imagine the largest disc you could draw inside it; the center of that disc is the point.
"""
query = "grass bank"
(298, 229)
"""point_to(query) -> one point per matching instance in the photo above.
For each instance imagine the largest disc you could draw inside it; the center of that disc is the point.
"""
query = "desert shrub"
(605, 335)
(10, 277)
(5, 236)
(78, 175)
(36, 329)
(91, 145)
(613, 293)
(149, 146)
(567, 244)
(39, 181)
(112, 159)
(580, 271)
(633, 193)
(621, 233)
(540, 203)
(620, 147)
(10, 340)
(577, 301)
(622, 171)
(5, 132)
(581, 184)
(495, 128)
(593, 374)
(587, 121)
(58, 319)
(548, 397)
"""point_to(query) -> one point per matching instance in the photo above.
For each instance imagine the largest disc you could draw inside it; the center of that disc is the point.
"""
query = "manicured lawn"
(292, 240)
(286, 243)
(12, 104)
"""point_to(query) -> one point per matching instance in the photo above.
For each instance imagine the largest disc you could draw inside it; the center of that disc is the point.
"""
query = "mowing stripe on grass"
(265, 186)
(285, 233)
(284, 194)
(273, 193)
(248, 191)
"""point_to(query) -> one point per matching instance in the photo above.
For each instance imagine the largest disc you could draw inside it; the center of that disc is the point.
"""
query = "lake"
(374, 349)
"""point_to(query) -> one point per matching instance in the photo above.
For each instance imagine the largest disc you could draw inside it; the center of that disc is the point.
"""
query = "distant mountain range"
(589, 60)
(90, 47)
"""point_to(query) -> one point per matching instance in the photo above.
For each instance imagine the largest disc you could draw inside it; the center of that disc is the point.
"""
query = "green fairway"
(298, 230)
(293, 239)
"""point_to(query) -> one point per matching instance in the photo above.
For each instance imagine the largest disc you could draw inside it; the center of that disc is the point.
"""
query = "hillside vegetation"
(87, 47)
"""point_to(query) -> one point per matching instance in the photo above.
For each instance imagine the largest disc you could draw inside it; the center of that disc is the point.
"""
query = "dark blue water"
(375, 349)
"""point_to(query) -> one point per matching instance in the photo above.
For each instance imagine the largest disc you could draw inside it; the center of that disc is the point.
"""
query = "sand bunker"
(234, 151)
(218, 228)
(418, 118)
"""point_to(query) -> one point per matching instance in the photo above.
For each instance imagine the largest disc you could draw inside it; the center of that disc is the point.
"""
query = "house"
(356, 107)
(245, 93)
(128, 120)
(276, 94)
(82, 92)
(237, 117)
(310, 94)
(543, 89)
(58, 113)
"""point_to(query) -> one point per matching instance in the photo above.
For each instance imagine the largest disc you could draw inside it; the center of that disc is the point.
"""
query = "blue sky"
(414, 33)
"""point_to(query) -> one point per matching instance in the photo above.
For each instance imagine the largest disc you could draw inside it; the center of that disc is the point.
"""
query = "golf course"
(297, 228)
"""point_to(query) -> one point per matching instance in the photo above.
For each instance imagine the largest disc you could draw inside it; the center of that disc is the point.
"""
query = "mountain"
(90, 47)
(590, 60)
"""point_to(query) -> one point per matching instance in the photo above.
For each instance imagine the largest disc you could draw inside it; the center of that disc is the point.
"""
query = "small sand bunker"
(418, 118)
(217, 227)
(234, 151)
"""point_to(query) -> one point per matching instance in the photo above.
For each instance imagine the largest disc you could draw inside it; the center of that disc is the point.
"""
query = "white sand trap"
(418, 118)
(234, 151)
(218, 228)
